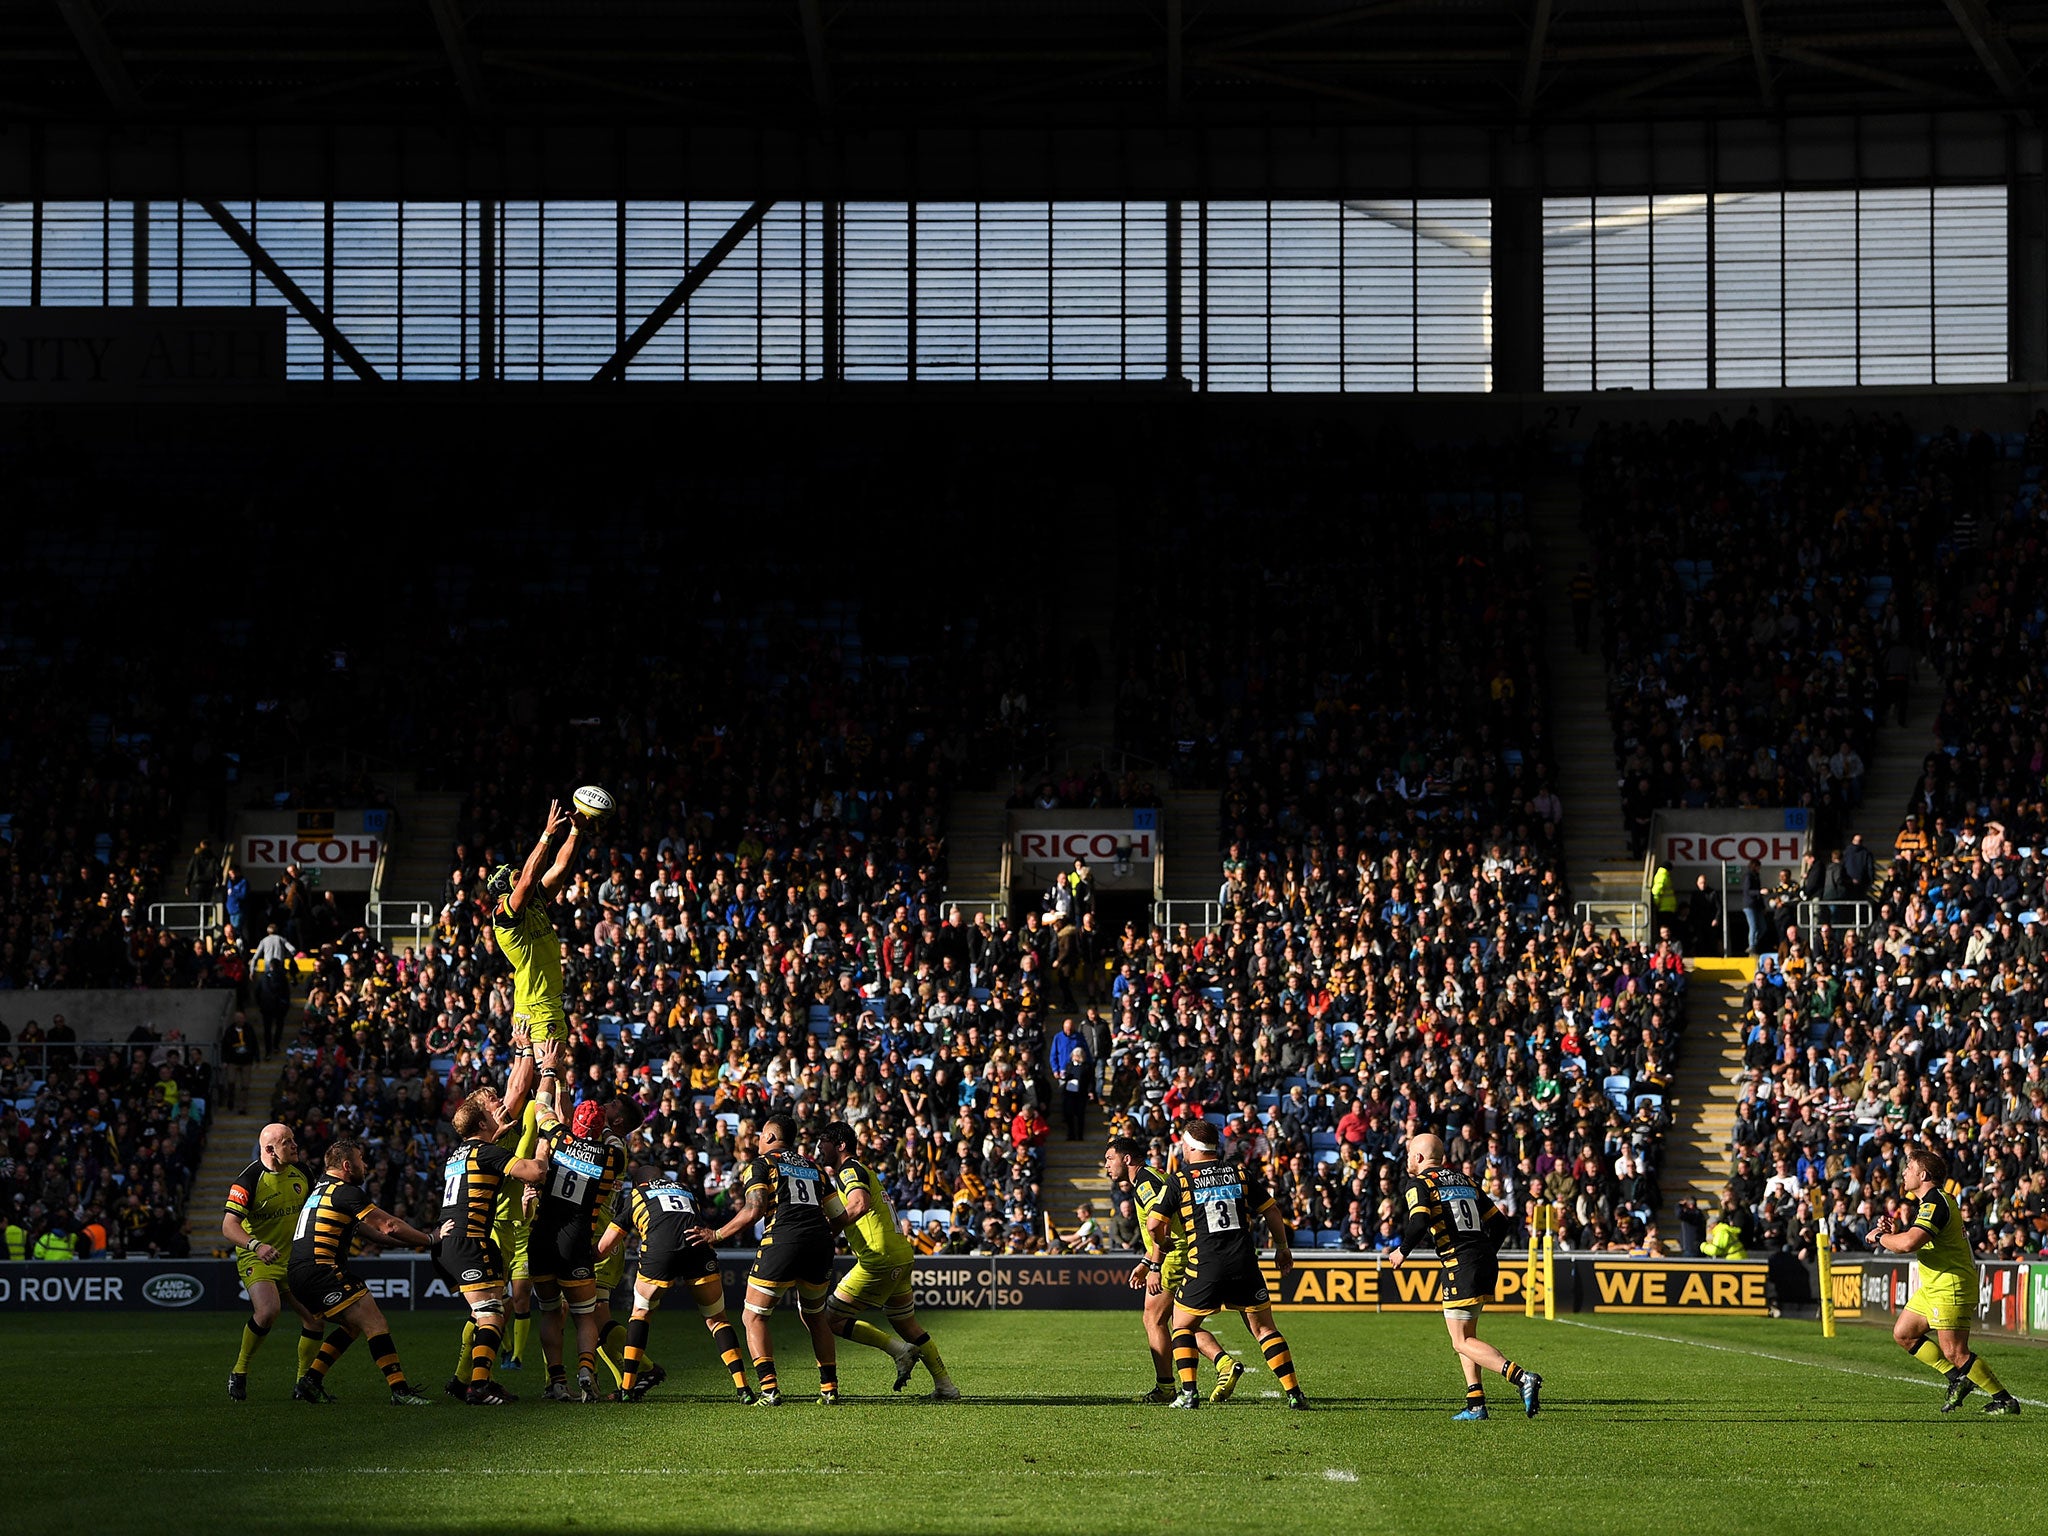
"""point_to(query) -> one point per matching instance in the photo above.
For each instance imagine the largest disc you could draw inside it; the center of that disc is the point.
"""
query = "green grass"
(121, 1423)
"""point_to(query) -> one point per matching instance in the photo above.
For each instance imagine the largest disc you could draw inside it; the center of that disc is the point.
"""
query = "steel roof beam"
(90, 33)
(1532, 67)
(462, 54)
(294, 295)
(615, 366)
(1752, 19)
(814, 50)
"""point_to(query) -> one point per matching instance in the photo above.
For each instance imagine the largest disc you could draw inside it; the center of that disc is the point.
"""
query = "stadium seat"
(1330, 1237)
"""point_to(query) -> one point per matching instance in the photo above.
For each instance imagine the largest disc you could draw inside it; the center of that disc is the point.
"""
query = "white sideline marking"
(1764, 1354)
(1334, 1474)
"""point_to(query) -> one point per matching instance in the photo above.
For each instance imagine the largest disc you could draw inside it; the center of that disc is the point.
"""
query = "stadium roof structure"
(839, 64)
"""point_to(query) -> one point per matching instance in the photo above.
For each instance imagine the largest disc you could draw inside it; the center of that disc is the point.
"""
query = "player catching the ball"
(526, 935)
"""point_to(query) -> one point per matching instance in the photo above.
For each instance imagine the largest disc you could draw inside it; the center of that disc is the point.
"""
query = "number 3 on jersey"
(1223, 1216)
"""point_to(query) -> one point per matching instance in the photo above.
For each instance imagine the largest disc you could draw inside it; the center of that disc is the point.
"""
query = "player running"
(526, 936)
(880, 1277)
(336, 1213)
(263, 1204)
(1217, 1198)
(1444, 1211)
(1125, 1162)
(1946, 1298)
(584, 1167)
(666, 1219)
(470, 1254)
(801, 1208)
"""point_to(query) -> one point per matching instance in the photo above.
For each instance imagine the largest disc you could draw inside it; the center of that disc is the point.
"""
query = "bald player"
(263, 1204)
(1444, 1210)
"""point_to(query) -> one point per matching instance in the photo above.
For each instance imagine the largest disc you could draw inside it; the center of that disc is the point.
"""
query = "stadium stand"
(98, 1139)
(1396, 947)
(1922, 1023)
(1753, 577)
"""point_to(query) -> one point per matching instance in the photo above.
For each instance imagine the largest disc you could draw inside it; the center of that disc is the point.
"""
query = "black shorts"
(324, 1289)
(1470, 1281)
(471, 1264)
(1221, 1287)
(798, 1260)
(678, 1266)
(559, 1247)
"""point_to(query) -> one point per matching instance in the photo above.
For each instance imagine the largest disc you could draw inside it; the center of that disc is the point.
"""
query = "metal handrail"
(1635, 916)
(995, 910)
(1811, 914)
(419, 918)
(204, 916)
(1199, 913)
(40, 1055)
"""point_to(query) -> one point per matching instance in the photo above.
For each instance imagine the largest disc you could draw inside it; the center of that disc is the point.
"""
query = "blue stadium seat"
(1329, 1237)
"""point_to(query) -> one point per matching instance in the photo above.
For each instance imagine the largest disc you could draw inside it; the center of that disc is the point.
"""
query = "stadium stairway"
(1895, 761)
(231, 1141)
(1597, 860)
(1073, 1172)
(428, 823)
(1698, 1146)
(977, 823)
(1194, 855)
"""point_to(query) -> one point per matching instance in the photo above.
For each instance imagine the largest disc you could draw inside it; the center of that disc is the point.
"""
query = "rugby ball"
(592, 803)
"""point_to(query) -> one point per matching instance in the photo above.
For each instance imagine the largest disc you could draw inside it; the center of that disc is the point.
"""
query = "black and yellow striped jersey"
(1444, 1210)
(267, 1201)
(794, 1193)
(469, 1187)
(581, 1178)
(327, 1223)
(1217, 1204)
(663, 1215)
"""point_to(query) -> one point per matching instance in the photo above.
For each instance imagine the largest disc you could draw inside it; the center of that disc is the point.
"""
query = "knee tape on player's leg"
(549, 1303)
(582, 1306)
(490, 1310)
(810, 1302)
(899, 1308)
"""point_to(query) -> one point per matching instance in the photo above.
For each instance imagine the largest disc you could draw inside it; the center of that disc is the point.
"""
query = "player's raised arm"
(551, 882)
(530, 871)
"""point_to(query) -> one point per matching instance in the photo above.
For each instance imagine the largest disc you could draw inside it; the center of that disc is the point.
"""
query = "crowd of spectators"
(1927, 1021)
(1761, 582)
(98, 1139)
(1396, 946)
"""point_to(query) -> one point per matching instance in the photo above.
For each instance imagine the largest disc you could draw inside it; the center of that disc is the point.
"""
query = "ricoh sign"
(1098, 845)
(1700, 839)
(275, 852)
(1733, 847)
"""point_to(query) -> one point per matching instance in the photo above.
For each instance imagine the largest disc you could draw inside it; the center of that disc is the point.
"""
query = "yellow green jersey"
(1147, 1189)
(519, 1141)
(873, 1238)
(1947, 1251)
(528, 940)
(267, 1202)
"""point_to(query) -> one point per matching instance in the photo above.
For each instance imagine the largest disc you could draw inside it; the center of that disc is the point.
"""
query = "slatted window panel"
(1846, 287)
(1323, 295)
(87, 253)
